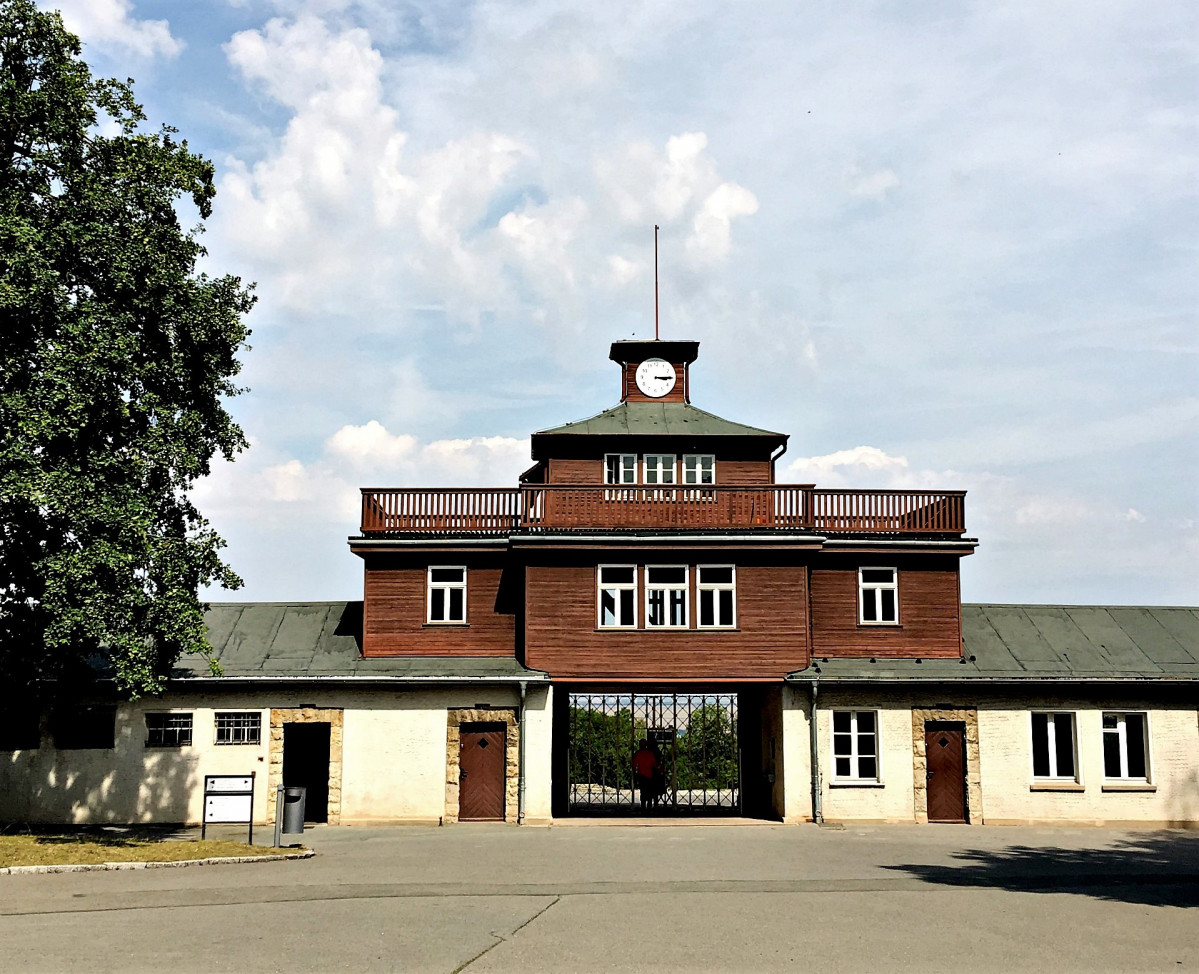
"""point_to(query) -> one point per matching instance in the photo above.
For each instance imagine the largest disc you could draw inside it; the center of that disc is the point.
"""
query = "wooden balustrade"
(498, 511)
(477, 510)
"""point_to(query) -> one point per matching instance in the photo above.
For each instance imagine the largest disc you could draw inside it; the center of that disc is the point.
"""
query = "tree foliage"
(707, 751)
(116, 361)
(602, 746)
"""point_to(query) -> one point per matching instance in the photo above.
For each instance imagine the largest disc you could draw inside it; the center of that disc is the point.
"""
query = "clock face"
(655, 377)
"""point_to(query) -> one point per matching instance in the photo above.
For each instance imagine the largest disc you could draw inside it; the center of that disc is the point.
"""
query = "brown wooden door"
(944, 749)
(481, 773)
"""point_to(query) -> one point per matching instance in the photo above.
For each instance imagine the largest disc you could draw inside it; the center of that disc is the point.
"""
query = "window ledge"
(1128, 786)
(850, 783)
(445, 625)
(880, 625)
(1057, 786)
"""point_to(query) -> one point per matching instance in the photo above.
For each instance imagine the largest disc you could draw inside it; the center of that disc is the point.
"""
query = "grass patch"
(69, 849)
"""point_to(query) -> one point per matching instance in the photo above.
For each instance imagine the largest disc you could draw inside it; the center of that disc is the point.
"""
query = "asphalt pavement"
(487, 898)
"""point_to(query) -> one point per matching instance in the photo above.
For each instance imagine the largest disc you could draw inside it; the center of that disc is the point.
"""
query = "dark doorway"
(945, 770)
(306, 763)
(481, 764)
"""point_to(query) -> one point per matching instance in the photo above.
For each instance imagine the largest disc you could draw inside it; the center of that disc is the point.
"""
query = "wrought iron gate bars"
(697, 732)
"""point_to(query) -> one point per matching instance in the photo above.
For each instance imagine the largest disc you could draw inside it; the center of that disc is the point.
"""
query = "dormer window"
(620, 468)
(699, 469)
(659, 468)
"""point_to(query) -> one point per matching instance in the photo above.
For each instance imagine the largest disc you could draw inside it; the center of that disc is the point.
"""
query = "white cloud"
(264, 486)
(872, 186)
(342, 211)
(867, 467)
(111, 24)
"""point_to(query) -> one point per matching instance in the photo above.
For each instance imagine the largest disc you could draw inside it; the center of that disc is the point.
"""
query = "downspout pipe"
(814, 738)
(520, 756)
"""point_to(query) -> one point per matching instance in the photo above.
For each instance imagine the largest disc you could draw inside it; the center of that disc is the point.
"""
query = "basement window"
(617, 602)
(447, 595)
(1054, 748)
(239, 727)
(168, 730)
(855, 745)
(878, 596)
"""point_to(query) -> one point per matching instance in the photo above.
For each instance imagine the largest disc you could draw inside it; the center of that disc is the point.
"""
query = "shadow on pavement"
(1155, 869)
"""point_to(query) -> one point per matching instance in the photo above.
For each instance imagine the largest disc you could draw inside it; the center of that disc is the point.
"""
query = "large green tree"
(116, 359)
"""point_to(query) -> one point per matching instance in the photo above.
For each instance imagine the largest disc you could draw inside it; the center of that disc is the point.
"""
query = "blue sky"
(942, 245)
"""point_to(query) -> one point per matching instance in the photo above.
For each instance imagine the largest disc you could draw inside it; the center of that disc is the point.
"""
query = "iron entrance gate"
(694, 733)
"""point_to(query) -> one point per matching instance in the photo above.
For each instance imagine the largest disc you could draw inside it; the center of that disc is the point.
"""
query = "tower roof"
(673, 419)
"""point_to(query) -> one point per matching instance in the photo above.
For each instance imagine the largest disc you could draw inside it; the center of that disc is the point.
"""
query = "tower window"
(666, 596)
(617, 596)
(878, 596)
(447, 594)
(716, 590)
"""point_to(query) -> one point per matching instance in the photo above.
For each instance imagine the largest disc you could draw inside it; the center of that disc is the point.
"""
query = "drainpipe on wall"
(814, 736)
(520, 757)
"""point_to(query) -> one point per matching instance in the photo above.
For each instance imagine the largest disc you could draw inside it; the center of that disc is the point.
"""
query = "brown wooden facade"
(533, 552)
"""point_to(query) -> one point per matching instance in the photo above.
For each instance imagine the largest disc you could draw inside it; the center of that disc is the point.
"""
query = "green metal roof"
(658, 419)
(1022, 643)
(320, 641)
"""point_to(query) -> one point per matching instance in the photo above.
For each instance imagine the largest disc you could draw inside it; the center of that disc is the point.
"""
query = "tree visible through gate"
(695, 733)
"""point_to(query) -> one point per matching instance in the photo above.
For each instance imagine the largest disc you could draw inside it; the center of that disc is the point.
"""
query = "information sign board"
(228, 798)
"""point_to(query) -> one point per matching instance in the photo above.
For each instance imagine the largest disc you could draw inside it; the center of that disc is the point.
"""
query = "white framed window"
(659, 468)
(239, 727)
(666, 596)
(878, 596)
(1054, 746)
(716, 592)
(447, 594)
(620, 468)
(617, 597)
(855, 745)
(699, 469)
(1126, 746)
(168, 730)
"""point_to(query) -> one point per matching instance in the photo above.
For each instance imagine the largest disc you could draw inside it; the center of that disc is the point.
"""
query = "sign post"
(228, 798)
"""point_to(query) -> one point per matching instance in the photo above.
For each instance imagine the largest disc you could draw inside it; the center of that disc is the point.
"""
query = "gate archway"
(696, 735)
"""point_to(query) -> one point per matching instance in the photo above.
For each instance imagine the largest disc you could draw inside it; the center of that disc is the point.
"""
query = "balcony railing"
(538, 509)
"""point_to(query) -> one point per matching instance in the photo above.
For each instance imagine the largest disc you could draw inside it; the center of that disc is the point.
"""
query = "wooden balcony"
(539, 509)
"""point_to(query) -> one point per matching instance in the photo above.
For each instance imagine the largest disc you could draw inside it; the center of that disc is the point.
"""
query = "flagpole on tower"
(655, 282)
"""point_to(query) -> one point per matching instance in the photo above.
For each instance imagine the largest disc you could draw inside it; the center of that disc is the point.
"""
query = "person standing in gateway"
(645, 772)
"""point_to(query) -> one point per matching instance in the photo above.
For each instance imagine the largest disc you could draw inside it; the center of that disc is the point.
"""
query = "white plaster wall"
(539, 743)
(132, 782)
(1005, 761)
(393, 758)
(797, 760)
(892, 799)
(1010, 796)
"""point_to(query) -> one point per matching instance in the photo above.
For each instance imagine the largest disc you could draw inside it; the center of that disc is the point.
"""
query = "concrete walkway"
(497, 898)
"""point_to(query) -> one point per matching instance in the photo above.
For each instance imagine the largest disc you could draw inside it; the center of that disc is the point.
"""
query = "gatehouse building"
(789, 652)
